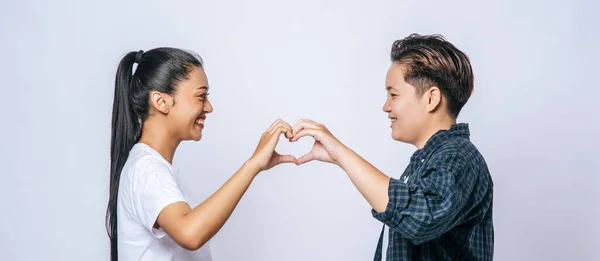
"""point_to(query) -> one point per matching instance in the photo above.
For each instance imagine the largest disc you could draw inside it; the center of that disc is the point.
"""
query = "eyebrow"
(390, 88)
(202, 87)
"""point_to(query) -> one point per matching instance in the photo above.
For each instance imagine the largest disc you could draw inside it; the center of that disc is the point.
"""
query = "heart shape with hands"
(326, 147)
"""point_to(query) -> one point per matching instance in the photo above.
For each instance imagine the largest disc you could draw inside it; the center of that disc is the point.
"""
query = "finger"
(305, 132)
(305, 158)
(308, 121)
(286, 159)
(274, 136)
(287, 131)
(280, 128)
(289, 134)
(298, 124)
(312, 122)
(284, 123)
(302, 124)
(273, 126)
(278, 123)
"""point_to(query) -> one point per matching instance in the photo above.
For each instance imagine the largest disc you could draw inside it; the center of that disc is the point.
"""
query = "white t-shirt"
(386, 234)
(148, 184)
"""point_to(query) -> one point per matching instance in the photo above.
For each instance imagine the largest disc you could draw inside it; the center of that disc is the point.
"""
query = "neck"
(155, 135)
(435, 125)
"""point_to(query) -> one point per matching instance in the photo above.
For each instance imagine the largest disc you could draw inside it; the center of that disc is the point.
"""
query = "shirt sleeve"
(155, 188)
(429, 207)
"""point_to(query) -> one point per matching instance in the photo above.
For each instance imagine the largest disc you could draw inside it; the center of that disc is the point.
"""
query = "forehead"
(395, 76)
(196, 79)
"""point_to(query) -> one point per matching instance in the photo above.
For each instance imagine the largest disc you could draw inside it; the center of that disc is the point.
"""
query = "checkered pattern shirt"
(441, 207)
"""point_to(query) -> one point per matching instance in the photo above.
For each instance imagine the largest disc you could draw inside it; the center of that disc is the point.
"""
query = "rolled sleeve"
(399, 196)
(429, 207)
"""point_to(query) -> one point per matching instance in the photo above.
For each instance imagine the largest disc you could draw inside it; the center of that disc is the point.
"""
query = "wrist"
(252, 167)
(343, 153)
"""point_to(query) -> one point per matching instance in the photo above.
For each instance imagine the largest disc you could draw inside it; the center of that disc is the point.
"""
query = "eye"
(204, 96)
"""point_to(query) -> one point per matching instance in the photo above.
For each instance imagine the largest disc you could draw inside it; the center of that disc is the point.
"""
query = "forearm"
(372, 183)
(205, 220)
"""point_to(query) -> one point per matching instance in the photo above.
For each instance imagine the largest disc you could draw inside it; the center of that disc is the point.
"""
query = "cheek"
(410, 107)
(406, 112)
(184, 113)
(398, 108)
(192, 109)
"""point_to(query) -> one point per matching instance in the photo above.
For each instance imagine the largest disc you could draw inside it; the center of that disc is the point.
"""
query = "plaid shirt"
(444, 210)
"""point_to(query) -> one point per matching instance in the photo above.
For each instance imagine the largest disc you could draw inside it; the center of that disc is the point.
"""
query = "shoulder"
(457, 151)
(143, 165)
(153, 177)
(151, 164)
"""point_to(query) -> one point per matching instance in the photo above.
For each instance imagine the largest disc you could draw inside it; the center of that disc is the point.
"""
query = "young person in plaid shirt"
(441, 206)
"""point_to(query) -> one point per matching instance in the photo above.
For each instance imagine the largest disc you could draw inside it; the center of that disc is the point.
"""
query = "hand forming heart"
(326, 147)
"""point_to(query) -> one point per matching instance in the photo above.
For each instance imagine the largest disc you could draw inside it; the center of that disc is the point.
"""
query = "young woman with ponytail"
(156, 106)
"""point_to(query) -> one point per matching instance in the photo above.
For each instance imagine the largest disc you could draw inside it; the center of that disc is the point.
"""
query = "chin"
(195, 136)
(195, 133)
(398, 137)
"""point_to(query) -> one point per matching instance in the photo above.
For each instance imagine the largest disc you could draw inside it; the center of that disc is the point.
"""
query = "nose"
(386, 106)
(208, 108)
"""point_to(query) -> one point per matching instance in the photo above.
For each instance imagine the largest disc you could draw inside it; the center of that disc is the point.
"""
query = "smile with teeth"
(393, 119)
(200, 120)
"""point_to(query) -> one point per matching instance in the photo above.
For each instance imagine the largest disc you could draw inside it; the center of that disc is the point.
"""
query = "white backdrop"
(533, 115)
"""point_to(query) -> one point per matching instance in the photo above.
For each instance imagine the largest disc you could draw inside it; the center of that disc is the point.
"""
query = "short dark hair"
(431, 60)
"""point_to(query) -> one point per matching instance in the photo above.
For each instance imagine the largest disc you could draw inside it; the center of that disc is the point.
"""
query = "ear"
(161, 101)
(433, 97)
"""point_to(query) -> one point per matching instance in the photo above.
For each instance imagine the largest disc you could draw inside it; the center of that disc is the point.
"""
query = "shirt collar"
(456, 130)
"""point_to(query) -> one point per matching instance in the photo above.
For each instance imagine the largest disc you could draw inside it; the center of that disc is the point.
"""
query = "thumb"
(305, 158)
(286, 159)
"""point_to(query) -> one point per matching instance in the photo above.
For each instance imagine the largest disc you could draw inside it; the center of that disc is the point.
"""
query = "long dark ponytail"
(160, 69)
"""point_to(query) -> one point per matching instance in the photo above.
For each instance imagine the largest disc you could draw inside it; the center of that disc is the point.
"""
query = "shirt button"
(422, 160)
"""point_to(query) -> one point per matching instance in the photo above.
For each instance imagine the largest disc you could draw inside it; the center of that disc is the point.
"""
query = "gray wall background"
(533, 115)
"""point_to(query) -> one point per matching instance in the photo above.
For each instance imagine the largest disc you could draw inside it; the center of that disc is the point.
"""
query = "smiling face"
(406, 109)
(189, 107)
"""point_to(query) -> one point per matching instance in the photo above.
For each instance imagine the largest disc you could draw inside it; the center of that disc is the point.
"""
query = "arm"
(431, 206)
(192, 228)
(370, 182)
(420, 212)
